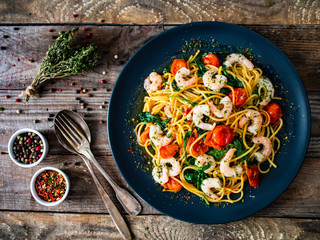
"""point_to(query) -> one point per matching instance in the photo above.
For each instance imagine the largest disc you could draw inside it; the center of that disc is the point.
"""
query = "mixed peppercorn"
(50, 185)
(28, 148)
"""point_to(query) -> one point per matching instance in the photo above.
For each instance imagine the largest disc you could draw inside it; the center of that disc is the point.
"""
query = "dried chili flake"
(50, 185)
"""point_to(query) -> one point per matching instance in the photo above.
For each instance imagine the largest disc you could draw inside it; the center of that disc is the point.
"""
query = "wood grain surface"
(160, 11)
(22, 225)
(295, 215)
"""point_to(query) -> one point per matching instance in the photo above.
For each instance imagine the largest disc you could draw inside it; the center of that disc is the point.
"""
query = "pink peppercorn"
(37, 149)
(89, 95)
(102, 81)
(74, 15)
(89, 34)
(39, 155)
(85, 29)
(29, 140)
(30, 160)
(6, 97)
(50, 30)
(101, 122)
(17, 100)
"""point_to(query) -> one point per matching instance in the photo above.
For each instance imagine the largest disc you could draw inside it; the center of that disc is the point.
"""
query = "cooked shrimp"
(160, 174)
(225, 165)
(175, 167)
(266, 150)
(238, 57)
(206, 159)
(167, 111)
(181, 78)
(156, 136)
(153, 82)
(256, 118)
(208, 184)
(215, 83)
(225, 111)
(198, 112)
(263, 81)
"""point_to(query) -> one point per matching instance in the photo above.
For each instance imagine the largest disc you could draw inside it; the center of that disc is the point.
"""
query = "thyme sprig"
(63, 59)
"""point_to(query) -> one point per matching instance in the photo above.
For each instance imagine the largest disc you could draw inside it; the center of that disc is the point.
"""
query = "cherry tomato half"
(253, 175)
(274, 112)
(210, 59)
(168, 151)
(172, 185)
(220, 136)
(144, 136)
(177, 65)
(185, 110)
(199, 147)
(240, 96)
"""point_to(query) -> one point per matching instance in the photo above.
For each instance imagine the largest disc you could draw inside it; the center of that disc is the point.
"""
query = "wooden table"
(293, 27)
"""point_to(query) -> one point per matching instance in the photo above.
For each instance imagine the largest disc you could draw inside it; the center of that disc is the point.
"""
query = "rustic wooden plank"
(18, 225)
(301, 199)
(160, 12)
(118, 43)
(45, 108)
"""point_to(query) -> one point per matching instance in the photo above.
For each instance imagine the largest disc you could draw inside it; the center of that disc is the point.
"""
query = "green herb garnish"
(184, 99)
(63, 59)
(146, 117)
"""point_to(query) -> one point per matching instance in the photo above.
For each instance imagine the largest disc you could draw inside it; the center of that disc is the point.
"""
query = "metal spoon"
(128, 202)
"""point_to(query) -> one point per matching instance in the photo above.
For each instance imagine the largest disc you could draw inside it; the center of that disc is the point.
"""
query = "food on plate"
(210, 123)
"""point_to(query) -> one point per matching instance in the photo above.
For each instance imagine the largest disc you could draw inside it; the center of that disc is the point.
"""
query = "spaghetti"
(210, 127)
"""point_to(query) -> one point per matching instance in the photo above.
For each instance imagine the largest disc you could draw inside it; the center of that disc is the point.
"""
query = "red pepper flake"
(82, 74)
(188, 197)
(102, 82)
(74, 15)
(130, 150)
(50, 185)
(101, 121)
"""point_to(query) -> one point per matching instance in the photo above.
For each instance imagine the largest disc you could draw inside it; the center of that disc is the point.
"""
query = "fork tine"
(64, 133)
(74, 127)
(71, 130)
(60, 121)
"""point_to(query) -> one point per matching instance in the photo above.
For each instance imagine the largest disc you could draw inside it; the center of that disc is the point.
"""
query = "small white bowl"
(34, 191)
(13, 138)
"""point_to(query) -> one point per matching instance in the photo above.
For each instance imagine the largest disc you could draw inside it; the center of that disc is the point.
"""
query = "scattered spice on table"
(28, 148)
(50, 185)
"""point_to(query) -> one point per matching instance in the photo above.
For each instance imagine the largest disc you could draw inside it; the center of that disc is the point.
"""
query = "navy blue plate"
(156, 54)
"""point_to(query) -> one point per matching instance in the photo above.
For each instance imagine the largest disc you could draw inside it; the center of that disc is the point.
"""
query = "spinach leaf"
(195, 177)
(199, 64)
(217, 154)
(184, 99)
(225, 91)
(241, 149)
(234, 82)
(167, 69)
(146, 117)
(175, 86)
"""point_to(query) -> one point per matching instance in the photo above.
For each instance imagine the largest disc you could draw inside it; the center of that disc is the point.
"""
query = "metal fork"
(82, 146)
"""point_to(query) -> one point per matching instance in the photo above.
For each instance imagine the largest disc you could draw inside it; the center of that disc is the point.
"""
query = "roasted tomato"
(185, 110)
(210, 59)
(240, 96)
(178, 64)
(144, 136)
(172, 185)
(220, 136)
(199, 147)
(253, 175)
(168, 151)
(274, 112)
